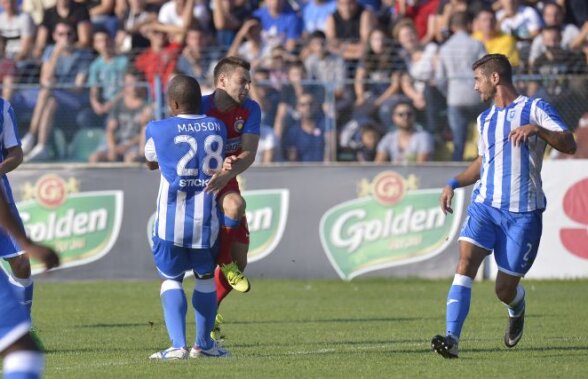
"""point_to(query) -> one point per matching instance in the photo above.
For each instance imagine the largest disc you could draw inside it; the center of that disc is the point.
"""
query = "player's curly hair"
(498, 63)
(228, 65)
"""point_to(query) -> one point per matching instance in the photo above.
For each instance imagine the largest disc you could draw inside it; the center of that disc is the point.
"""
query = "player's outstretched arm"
(8, 222)
(467, 177)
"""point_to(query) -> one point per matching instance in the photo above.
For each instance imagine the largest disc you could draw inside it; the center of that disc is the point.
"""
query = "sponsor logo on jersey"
(391, 223)
(81, 226)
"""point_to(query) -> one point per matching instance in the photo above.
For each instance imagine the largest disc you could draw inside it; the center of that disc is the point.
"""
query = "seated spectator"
(105, 76)
(197, 60)
(494, 40)
(315, 14)
(408, 142)
(7, 71)
(176, 17)
(102, 15)
(125, 124)
(18, 29)
(378, 77)
(306, 139)
(280, 25)
(135, 19)
(553, 16)
(292, 92)
(228, 17)
(266, 95)
(248, 43)
(348, 29)
(159, 60)
(74, 14)
(369, 138)
(268, 143)
(63, 65)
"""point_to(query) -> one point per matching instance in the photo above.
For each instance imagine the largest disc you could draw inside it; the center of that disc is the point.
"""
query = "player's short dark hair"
(498, 63)
(228, 64)
(185, 90)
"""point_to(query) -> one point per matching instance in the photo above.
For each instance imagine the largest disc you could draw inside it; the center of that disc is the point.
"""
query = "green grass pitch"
(368, 328)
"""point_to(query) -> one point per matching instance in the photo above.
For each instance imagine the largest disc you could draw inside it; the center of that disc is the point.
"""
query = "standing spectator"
(176, 17)
(7, 71)
(134, 20)
(228, 17)
(65, 65)
(74, 14)
(197, 60)
(248, 43)
(315, 14)
(377, 79)
(18, 29)
(102, 15)
(307, 139)
(348, 29)
(494, 40)
(125, 125)
(159, 60)
(105, 76)
(520, 21)
(266, 95)
(280, 25)
(36, 9)
(447, 8)
(553, 16)
(455, 76)
(421, 61)
(408, 142)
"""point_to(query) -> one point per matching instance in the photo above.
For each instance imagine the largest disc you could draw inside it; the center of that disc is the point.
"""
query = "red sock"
(222, 286)
(227, 235)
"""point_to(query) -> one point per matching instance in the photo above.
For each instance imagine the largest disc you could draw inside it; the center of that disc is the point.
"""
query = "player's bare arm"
(562, 141)
(12, 159)
(467, 177)
(46, 255)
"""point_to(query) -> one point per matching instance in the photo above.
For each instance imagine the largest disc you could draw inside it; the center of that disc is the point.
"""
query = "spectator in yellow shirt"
(496, 42)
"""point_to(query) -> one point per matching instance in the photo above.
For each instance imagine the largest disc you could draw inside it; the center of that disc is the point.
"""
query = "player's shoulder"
(251, 104)
(206, 102)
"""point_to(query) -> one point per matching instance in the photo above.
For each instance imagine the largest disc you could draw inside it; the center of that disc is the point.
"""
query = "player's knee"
(171, 284)
(234, 206)
(205, 285)
(505, 292)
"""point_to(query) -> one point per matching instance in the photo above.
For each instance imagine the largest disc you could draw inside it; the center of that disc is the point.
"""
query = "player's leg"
(233, 206)
(204, 303)
(476, 241)
(171, 262)
(515, 253)
(21, 280)
(22, 358)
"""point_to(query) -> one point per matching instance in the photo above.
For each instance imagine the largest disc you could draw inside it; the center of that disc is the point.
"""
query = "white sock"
(23, 362)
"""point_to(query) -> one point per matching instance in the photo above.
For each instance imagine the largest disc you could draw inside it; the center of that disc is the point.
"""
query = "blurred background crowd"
(337, 80)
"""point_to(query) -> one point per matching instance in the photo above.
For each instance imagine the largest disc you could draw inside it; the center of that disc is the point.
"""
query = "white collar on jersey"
(192, 116)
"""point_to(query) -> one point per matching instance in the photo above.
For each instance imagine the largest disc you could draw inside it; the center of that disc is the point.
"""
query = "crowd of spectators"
(356, 80)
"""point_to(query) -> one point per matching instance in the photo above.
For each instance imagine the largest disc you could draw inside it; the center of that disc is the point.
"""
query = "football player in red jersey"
(231, 104)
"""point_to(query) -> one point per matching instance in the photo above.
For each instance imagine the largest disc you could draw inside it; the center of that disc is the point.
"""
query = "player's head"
(231, 74)
(184, 95)
(490, 71)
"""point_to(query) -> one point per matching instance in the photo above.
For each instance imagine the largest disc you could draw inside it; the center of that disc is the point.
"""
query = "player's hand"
(229, 162)
(521, 134)
(445, 200)
(44, 254)
(218, 181)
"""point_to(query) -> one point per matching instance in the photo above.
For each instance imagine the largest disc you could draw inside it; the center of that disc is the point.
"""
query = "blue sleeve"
(544, 115)
(252, 125)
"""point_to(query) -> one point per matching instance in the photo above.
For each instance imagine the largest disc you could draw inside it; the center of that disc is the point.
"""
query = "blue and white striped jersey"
(188, 148)
(510, 177)
(8, 138)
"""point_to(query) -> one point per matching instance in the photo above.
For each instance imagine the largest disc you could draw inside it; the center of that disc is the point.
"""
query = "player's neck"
(222, 101)
(505, 95)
